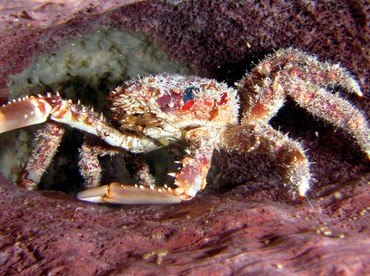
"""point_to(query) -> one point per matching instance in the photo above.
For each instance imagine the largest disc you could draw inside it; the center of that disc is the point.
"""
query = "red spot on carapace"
(208, 103)
(187, 105)
(223, 99)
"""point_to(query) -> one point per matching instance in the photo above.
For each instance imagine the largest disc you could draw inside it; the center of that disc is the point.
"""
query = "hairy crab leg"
(337, 111)
(48, 140)
(293, 73)
(36, 110)
(89, 163)
(289, 155)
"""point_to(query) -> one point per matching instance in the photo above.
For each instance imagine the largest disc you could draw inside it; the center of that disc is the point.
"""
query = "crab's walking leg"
(47, 142)
(89, 163)
(337, 111)
(291, 72)
(296, 64)
(288, 155)
(90, 167)
(189, 180)
(316, 100)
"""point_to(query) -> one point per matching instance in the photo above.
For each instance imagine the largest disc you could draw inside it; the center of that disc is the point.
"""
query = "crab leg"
(289, 155)
(48, 140)
(32, 110)
(338, 112)
(89, 162)
(303, 79)
(189, 180)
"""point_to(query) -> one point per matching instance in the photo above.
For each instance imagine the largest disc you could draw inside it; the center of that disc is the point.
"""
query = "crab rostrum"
(158, 110)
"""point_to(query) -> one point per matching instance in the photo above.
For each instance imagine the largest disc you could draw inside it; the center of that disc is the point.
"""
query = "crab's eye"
(189, 93)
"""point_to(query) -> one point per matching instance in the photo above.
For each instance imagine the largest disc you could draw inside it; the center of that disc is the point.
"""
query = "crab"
(160, 110)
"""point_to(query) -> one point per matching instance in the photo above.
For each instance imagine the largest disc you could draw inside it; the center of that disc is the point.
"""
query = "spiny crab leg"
(47, 142)
(35, 110)
(288, 154)
(305, 80)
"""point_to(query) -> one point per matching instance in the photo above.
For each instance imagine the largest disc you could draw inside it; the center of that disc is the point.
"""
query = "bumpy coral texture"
(214, 36)
(242, 223)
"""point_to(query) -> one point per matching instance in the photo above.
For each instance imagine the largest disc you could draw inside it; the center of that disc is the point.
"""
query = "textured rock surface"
(216, 37)
(243, 222)
(49, 232)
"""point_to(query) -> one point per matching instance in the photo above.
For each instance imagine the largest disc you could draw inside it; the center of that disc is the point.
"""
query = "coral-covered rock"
(216, 37)
(52, 233)
(243, 222)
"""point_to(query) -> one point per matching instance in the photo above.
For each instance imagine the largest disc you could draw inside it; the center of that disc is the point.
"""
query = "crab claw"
(35, 110)
(23, 112)
(127, 194)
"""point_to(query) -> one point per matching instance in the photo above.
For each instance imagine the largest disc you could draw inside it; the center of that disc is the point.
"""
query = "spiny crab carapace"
(163, 109)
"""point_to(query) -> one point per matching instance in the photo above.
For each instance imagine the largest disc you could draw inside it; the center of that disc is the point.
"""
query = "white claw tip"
(359, 93)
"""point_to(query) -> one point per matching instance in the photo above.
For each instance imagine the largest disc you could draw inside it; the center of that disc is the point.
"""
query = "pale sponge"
(111, 55)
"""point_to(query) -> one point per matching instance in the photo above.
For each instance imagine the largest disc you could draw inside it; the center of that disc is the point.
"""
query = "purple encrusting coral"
(245, 227)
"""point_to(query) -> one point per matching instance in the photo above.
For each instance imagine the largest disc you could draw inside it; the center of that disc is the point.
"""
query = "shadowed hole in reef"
(63, 173)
